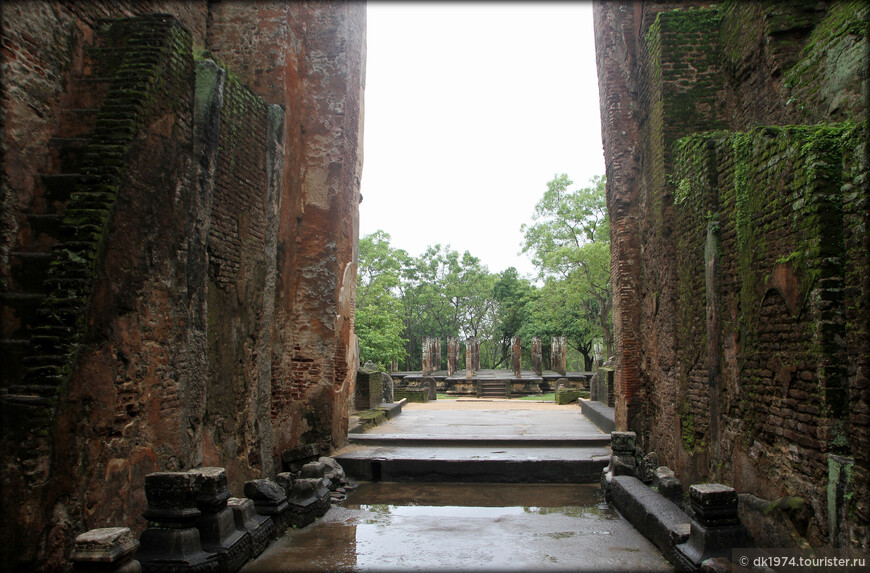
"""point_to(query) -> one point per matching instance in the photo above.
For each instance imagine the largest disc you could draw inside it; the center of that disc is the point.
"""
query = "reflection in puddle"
(403, 527)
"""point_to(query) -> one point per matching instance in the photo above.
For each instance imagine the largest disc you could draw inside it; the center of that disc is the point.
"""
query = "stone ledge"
(599, 414)
(657, 518)
(392, 409)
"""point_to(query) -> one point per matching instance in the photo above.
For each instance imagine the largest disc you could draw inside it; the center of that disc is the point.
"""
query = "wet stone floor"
(390, 526)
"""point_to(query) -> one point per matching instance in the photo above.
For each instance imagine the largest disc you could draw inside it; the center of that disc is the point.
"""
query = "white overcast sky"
(469, 110)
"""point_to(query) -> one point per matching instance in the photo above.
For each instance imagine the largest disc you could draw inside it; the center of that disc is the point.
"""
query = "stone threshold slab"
(567, 440)
(474, 470)
(599, 414)
(657, 518)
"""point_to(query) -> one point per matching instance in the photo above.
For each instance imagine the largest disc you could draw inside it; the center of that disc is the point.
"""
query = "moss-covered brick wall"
(113, 338)
(779, 221)
(239, 138)
(735, 141)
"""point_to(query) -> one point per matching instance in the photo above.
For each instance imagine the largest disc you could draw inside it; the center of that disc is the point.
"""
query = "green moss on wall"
(829, 79)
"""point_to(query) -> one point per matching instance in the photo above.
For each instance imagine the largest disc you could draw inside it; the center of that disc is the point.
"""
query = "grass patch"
(548, 397)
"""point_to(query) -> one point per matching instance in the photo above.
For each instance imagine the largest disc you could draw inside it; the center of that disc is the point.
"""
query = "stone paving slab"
(465, 527)
(460, 418)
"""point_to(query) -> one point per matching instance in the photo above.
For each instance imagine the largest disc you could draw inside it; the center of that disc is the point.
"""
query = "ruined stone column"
(427, 356)
(436, 355)
(452, 354)
(517, 356)
(270, 499)
(558, 354)
(537, 358)
(472, 356)
(258, 527)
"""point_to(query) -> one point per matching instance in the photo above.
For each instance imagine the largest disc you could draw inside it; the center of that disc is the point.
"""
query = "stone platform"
(499, 382)
(508, 442)
(489, 374)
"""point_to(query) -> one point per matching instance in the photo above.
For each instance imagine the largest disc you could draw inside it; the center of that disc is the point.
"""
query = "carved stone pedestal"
(622, 460)
(270, 500)
(308, 501)
(105, 550)
(171, 543)
(715, 529)
(258, 527)
(217, 526)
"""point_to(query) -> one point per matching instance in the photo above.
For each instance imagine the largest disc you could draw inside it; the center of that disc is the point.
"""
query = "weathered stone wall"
(310, 61)
(201, 310)
(734, 236)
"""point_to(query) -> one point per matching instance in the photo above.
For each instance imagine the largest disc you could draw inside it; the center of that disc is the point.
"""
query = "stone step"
(77, 122)
(57, 189)
(45, 391)
(493, 388)
(28, 271)
(28, 400)
(40, 233)
(565, 440)
(51, 343)
(494, 463)
(36, 360)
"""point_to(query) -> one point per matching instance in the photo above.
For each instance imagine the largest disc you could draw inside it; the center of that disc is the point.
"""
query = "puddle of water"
(461, 527)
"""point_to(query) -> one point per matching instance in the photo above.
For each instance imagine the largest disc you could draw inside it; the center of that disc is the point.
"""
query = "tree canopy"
(441, 293)
(569, 242)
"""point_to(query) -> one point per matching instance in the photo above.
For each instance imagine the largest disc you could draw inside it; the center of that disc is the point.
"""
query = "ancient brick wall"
(43, 47)
(242, 235)
(205, 245)
(312, 347)
(739, 255)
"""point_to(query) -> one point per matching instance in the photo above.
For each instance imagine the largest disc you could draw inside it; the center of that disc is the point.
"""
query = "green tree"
(515, 314)
(444, 294)
(569, 243)
(378, 322)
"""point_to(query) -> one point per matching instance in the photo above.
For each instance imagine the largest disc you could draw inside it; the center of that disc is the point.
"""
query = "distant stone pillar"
(369, 390)
(436, 355)
(394, 365)
(517, 356)
(472, 356)
(427, 356)
(537, 357)
(452, 354)
(558, 354)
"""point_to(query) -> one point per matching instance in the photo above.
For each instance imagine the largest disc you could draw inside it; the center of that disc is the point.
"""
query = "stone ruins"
(178, 248)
